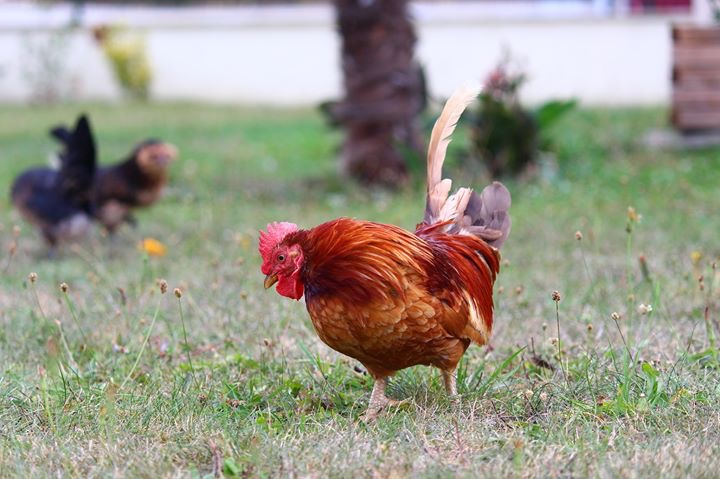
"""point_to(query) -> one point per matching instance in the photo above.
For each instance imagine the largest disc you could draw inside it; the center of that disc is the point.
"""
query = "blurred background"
(372, 67)
(287, 52)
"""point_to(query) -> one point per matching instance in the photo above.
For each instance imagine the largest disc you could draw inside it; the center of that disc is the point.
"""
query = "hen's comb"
(275, 233)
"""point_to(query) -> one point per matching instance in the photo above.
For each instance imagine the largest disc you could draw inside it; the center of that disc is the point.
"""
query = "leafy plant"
(507, 136)
(127, 54)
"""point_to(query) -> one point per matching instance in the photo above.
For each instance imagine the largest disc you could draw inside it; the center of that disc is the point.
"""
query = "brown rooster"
(391, 298)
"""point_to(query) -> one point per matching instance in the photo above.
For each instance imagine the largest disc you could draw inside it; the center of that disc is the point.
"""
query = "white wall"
(289, 55)
(600, 62)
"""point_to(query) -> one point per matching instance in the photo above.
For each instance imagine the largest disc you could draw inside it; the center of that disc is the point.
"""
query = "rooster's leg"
(378, 400)
(450, 382)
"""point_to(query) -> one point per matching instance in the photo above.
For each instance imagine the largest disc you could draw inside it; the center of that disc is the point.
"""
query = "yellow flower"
(696, 256)
(153, 247)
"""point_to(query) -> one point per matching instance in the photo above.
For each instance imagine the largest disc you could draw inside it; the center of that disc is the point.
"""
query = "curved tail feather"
(465, 212)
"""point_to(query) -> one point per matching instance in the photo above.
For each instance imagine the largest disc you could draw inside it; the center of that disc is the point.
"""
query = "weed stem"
(74, 316)
(144, 344)
(559, 344)
(622, 336)
(187, 345)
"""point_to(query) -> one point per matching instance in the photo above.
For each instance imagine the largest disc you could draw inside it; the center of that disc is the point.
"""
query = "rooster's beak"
(270, 280)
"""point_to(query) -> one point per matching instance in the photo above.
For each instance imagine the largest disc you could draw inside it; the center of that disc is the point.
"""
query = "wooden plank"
(707, 57)
(706, 78)
(696, 108)
(696, 120)
(695, 76)
(692, 96)
(692, 34)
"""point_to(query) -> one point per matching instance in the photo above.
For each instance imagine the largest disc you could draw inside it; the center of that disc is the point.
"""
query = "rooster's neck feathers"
(351, 258)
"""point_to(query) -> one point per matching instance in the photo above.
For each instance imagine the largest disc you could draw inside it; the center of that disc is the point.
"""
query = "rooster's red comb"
(275, 233)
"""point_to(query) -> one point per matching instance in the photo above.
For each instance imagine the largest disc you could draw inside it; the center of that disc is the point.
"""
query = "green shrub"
(506, 136)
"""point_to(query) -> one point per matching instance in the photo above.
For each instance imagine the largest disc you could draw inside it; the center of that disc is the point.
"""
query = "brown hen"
(136, 182)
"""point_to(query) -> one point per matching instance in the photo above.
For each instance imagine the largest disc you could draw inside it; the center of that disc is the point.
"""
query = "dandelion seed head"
(633, 216)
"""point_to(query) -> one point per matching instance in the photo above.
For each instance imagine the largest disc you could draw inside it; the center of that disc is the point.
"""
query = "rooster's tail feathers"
(487, 215)
(465, 212)
(438, 189)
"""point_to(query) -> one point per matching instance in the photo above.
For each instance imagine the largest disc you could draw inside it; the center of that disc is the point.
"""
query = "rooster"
(135, 182)
(392, 298)
(57, 201)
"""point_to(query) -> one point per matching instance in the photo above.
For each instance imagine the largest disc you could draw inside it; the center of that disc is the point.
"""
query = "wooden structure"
(696, 78)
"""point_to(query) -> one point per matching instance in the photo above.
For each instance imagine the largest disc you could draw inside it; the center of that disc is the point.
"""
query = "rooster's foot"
(374, 410)
(379, 401)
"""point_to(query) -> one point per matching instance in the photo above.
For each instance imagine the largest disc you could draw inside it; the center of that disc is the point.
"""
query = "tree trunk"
(384, 90)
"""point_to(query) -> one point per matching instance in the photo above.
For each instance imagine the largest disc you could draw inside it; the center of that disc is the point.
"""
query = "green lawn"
(115, 379)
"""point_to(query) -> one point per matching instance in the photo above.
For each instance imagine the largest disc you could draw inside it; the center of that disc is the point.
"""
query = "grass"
(113, 378)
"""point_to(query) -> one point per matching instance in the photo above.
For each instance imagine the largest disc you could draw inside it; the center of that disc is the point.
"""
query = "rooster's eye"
(281, 257)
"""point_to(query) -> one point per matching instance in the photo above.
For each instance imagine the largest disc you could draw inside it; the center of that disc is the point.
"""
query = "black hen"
(57, 201)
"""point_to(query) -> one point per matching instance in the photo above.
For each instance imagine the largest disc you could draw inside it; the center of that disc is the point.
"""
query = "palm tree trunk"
(384, 90)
